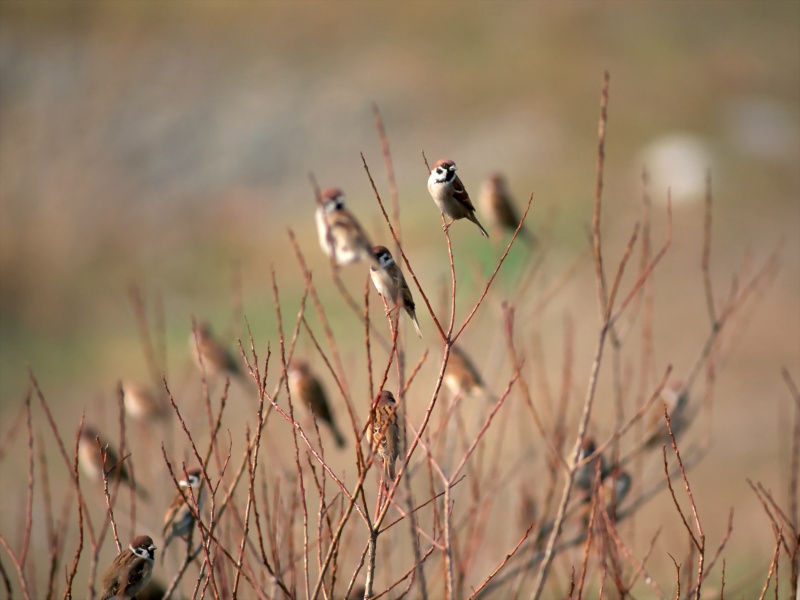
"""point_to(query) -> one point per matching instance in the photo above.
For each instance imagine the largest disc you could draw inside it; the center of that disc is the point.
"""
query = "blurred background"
(168, 145)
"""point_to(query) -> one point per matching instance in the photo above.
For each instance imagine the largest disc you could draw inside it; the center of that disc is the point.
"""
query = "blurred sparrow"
(461, 376)
(585, 475)
(178, 520)
(384, 435)
(616, 486)
(449, 194)
(495, 201)
(141, 404)
(675, 398)
(340, 235)
(216, 359)
(305, 386)
(357, 593)
(391, 284)
(90, 458)
(613, 490)
(130, 571)
(154, 590)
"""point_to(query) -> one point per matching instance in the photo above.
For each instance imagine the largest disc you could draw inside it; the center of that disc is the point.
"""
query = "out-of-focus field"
(168, 146)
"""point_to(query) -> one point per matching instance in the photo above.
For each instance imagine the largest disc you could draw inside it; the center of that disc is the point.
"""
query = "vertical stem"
(372, 548)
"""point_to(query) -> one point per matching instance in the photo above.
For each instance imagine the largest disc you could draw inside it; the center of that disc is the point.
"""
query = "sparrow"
(585, 475)
(461, 376)
(383, 433)
(449, 194)
(495, 201)
(391, 284)
(90, 458)
(304, 385)
(216, 359)
(615, 487)
(340, 235)
(179, 520)
(141, 404)
(130, 571)
(675, 398)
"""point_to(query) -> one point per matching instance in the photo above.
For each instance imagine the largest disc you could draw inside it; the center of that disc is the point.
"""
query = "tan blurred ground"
(162, 145)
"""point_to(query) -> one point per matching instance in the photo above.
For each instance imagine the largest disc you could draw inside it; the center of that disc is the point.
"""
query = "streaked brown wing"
(110, 584)
(459, 360)
(505, 212)
(172, 512)
(460, 194)
(317, 400)
(138, 575)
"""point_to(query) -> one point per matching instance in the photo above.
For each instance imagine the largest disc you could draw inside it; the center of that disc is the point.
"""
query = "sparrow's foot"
(389, 311)
(446, 226)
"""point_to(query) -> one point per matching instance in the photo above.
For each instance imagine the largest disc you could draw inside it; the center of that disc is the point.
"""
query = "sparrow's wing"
(318, 400)
(506, 213)
(408, 299)
(172, 512)
(345, 223)
(460, 194)
(139, 573)
(110, 584)
(461, 361)
(114, 468)
(219, 357)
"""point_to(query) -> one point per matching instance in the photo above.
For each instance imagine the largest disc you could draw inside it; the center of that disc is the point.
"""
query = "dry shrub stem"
(262, 539)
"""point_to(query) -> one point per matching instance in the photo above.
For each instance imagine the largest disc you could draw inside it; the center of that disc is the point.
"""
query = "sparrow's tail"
(140, 492)
(388, 472)
(471, 216)
(413, 316)
(167, 540)
(341, 442)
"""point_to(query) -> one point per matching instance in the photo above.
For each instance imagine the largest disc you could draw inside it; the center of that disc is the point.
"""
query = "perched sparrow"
(178, 520)
(340, 235)
(216, 359)
(449, 194)
(462, 376)
(304, 385)
(90, 458)
(141, 404)
(614, 489)
(585, 476)
(616, 486)
(391, 284)
(495, 201)
(130, 571)
(675, 398)
(383, 434)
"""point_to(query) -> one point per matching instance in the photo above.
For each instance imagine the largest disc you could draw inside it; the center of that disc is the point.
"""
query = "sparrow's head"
(588, 446)
(495, 181)
(384, 256)
(143, 547)
(386, 398)
(193, 477)
(444, 170)
(204, 331)
(332, 200)
(298, 369)
(89, 433)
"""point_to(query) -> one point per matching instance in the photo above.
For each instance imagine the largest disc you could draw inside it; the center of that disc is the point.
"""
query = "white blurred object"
(678, 162)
